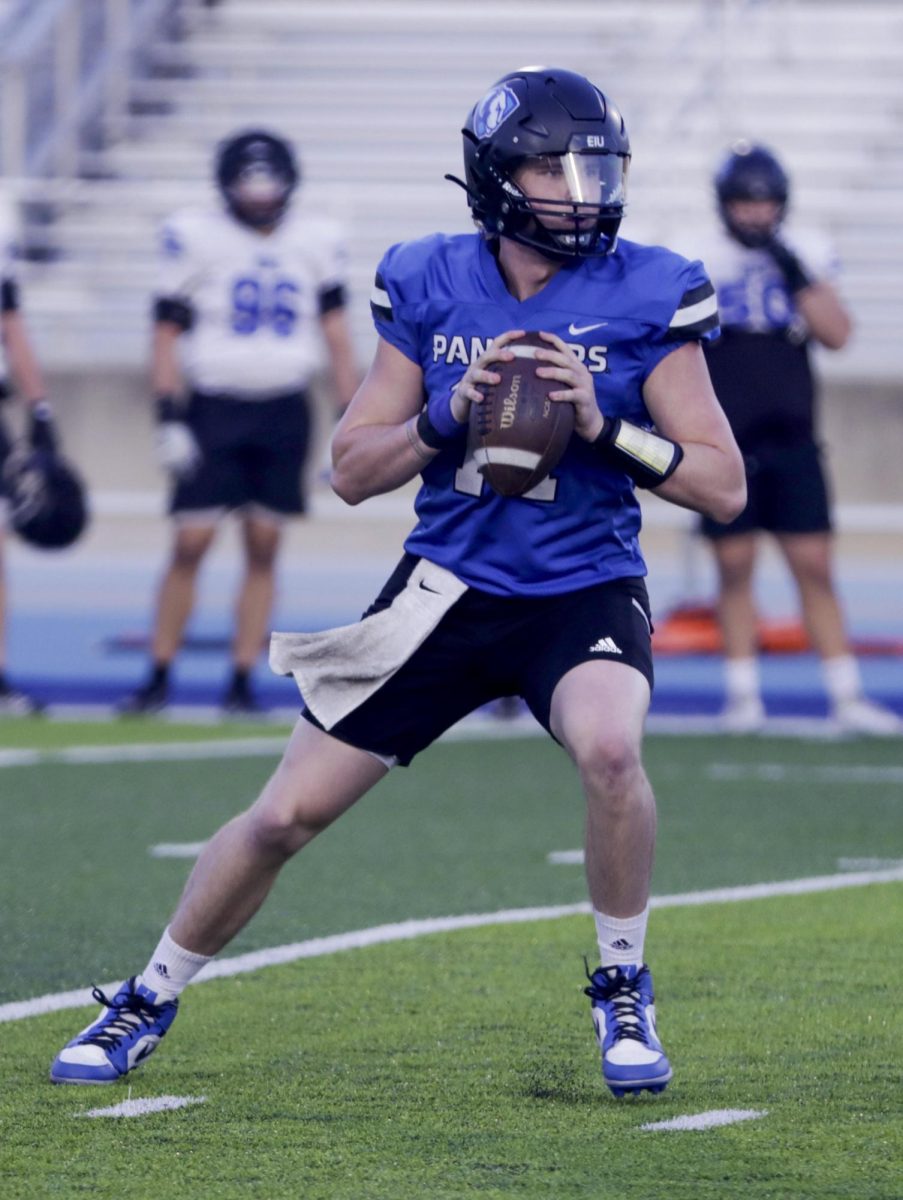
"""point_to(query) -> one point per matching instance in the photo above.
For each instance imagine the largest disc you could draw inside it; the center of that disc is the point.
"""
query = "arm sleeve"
(332, 269)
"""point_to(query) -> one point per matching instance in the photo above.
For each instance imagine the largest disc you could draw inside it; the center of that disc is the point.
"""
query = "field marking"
(709, 1120)
(565, 858)
(141, 1108)
(868, 864)
(241, 964)
(176, 849)
(784, 773)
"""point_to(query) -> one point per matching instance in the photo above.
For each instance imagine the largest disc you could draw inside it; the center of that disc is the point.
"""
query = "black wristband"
(430, 435)
(168, 408)
(789, 265)
(648, 458)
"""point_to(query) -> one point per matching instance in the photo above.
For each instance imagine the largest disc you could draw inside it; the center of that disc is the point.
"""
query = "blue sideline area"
(78, 632)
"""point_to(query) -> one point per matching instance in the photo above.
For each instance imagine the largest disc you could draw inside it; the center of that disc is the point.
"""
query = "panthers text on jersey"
(440, 301)
(760, 367)
(255, 300)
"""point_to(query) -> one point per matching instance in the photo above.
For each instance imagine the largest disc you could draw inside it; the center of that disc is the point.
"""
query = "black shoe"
(149, 698)
(14, 703)
(239, 698)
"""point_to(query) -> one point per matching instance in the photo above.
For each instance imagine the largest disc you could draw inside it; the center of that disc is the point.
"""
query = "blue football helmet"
(575, 140)
(750, 172)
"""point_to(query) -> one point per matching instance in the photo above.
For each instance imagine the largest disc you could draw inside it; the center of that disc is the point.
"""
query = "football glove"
(176, 447)
(42, 434)
(788, 264)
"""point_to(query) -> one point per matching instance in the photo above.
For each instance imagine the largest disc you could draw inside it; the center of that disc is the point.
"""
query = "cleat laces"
(130, 1012)
(624, 997)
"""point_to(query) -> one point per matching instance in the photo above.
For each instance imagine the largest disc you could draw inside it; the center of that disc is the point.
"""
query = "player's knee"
(609, 761)
(278, 834)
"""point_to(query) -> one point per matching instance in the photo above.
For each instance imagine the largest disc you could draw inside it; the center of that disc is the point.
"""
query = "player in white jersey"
(20, 374)
(539, 596)
(777, 294)
(247, 293)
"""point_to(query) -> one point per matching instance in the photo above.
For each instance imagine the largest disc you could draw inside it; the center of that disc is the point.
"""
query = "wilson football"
(517, 433)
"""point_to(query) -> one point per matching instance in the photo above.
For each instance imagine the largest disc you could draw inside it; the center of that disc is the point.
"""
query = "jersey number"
(469, 481)
(272, 305)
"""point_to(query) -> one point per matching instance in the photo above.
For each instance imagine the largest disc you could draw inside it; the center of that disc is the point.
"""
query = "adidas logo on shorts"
(605, 645)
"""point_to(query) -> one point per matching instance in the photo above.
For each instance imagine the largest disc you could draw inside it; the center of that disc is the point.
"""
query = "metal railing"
(65, 68)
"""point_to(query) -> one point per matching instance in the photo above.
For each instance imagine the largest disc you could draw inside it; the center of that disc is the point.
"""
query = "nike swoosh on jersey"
(576, 330)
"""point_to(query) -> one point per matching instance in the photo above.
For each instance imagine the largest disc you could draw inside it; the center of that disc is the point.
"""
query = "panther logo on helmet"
(493, 109)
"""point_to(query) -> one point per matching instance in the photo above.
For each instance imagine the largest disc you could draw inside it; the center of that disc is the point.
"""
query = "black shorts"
(253, 453)
(787, 493)
(490, 646)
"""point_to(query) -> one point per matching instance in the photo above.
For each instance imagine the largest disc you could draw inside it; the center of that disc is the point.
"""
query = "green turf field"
(463, 1063)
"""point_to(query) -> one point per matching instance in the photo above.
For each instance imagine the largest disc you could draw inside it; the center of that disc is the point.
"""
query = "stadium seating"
(374, 94)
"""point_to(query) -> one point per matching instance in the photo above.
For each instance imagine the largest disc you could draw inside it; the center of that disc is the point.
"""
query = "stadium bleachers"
(374, 94)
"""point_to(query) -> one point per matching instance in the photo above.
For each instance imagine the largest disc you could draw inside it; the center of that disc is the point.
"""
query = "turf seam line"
(241, 964)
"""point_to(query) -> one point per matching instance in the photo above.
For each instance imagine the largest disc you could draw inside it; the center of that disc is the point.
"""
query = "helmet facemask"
(566, 205)
(259, 196)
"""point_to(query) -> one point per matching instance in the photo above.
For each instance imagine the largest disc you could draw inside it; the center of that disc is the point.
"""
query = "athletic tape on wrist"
(648, 458)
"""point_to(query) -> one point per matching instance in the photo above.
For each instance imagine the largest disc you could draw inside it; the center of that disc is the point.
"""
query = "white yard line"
(141, 1108)
(176, 849)
(241, 964)
(791, 773)
(709, 1120)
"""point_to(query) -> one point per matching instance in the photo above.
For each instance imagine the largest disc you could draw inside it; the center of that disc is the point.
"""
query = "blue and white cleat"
(624, 1017)
(128, 1029)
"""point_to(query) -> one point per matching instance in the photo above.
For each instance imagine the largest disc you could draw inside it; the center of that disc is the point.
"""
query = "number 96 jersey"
(252, 301)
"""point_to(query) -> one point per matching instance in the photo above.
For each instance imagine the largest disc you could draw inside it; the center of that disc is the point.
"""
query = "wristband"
(168, 409)
(648, 458)
(435, 438)
(416, 445)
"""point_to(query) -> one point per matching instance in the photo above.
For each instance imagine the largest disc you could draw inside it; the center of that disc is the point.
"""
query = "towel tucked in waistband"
(336, 670)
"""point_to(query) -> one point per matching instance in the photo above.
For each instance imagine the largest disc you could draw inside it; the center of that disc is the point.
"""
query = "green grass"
(460, 1064)
(464, 1065)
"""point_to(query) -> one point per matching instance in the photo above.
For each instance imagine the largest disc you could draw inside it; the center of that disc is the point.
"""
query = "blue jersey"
(440, 301)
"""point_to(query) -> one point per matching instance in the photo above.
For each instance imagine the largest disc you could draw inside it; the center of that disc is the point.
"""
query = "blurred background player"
(776, 296)
(19, 371)
(246, 291)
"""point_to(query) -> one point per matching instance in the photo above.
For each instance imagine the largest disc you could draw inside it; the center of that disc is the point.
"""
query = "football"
(517, 433)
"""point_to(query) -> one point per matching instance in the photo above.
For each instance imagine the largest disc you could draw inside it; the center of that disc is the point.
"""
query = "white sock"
(741, 678)
(843, 681)
(621, 939)
(171, 969)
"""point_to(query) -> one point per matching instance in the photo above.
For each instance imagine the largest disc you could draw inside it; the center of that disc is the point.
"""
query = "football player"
(777, 295)
(19, 372)
(540, 596)
(247, 292)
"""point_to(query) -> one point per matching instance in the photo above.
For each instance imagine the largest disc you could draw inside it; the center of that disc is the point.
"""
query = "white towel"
(336, 670)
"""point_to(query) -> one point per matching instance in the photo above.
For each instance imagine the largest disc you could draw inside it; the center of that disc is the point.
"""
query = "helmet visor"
(573, 184)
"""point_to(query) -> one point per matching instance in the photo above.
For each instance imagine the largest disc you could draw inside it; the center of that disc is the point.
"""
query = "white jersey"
(752, 292)
(8, 239)
(254, 298)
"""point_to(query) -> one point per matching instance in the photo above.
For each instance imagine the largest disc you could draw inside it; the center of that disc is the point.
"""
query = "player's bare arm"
(682, 403)
(826, 317)
(166, 375)
(340, 347)
(376, 447)
(373, 450)
(23, 364)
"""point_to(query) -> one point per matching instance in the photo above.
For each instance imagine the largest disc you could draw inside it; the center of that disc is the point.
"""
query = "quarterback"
(540, 596)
